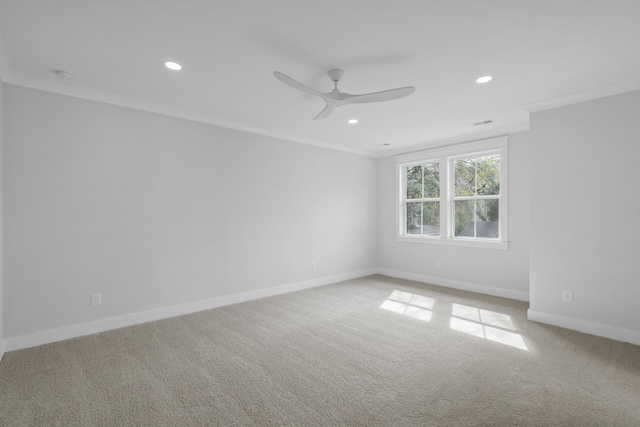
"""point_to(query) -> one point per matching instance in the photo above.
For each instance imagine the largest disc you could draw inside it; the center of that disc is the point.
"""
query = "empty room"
(246, 213)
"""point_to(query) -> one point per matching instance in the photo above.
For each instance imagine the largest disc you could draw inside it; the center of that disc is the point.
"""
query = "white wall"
(499, 272)
(153, 211)
(585, 216)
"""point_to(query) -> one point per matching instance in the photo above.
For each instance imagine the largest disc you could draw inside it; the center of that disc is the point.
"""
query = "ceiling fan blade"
(324, 113)
(385, 95)
(297, 85)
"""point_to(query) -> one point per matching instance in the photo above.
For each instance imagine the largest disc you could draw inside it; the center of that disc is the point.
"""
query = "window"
(423, 199)
(455, 195)
(476, 196)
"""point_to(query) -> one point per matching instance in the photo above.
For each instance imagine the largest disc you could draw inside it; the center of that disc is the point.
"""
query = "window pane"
(414, 182)
(465, 177)
(488, 210)
(414, 218)
(488, 214)
(488, 175)
(431, 218)
(464, 215)
(431, 180)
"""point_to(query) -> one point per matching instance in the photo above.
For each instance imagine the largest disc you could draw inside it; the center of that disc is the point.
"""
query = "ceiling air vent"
(63, 74)
(486, 122)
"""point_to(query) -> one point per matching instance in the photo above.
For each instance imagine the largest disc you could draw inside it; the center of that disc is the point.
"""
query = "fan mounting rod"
(335, 75)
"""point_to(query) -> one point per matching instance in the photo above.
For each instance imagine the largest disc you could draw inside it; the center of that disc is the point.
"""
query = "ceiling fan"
(335, 98)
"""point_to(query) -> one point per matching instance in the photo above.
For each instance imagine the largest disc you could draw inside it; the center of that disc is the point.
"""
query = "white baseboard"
(586, 326)
(1, 350)
(73, 331)
(457, 284)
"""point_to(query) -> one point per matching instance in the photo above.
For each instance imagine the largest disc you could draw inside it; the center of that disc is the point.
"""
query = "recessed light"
(352, 121)
(484, 79)
(173, 66)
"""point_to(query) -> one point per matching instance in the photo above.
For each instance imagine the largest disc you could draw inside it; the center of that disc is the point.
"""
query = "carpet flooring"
(374, 351)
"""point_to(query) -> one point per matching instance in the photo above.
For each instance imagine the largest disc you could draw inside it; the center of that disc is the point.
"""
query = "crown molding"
(584, 95)
(9, 76)
(84, 92)
(459, 139)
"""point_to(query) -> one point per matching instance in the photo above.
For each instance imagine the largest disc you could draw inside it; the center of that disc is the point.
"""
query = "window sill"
(487, 244)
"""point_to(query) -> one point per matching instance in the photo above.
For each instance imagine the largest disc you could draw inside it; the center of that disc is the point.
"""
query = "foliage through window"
(476, 196)
(454, 194)
(423, 199)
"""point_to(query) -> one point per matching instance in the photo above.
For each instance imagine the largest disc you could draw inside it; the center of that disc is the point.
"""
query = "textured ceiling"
(537, 52)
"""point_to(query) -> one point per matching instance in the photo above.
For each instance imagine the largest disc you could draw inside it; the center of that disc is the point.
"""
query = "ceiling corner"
(459, 139)
(583, 96)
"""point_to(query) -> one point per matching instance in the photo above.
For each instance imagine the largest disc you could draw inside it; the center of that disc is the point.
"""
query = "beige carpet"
(367, 352)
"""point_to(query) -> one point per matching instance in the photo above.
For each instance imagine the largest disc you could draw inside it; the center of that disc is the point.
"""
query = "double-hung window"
(422, 201)
(455, 195)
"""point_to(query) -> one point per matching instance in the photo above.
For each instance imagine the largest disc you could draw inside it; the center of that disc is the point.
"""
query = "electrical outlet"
(314, 265)
(96, 299)
(437, 264)
(567, 296)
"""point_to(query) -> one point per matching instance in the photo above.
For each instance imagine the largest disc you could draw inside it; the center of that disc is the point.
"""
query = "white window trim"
(445, 156)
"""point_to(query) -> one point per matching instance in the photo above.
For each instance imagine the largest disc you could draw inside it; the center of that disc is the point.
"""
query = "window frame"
(445, 156)
(423, 199)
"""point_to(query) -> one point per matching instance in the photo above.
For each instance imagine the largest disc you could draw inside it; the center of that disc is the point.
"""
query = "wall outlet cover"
(96, 299)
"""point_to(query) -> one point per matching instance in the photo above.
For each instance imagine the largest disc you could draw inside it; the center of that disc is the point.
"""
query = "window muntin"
(466, 200)
(422, 199)
(476, 196)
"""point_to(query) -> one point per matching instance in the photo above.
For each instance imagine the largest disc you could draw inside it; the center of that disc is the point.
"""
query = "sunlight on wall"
(486, 324)
(412, 305)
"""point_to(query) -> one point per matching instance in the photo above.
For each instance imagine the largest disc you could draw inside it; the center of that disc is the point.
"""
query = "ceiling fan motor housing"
(335, 74)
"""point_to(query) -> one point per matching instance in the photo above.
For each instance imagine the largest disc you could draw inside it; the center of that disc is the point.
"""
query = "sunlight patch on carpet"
(412, 305)
(490, 325)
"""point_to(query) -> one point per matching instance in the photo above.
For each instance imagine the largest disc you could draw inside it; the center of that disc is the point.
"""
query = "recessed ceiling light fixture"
(484, 79)
(352, 121)
(173, 66)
